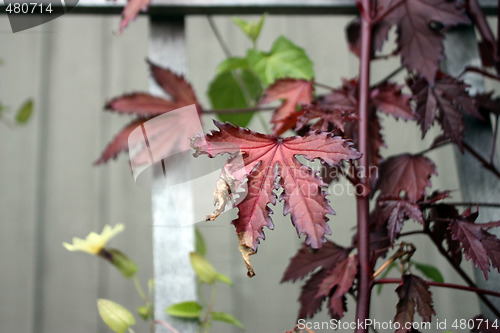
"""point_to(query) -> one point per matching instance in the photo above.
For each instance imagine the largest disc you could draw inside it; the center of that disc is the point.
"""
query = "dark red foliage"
(147, 106)
(413, 293)
(406, 176)
(293, 92)
(308, 260)
(266, 158)
(337, 283)
(442, 235)
(394, 211)
(477, 243)
(420, 26)
(444, 101)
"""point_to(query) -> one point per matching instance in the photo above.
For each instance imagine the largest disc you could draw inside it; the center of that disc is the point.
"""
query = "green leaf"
(200, 245)
(224, 279)
(225, 92)
(203, 268)
(250, 28)
(115, 316)
(429, 271)
(231, 64)
(146, 311)
(189, 309)
(226, 318)
(284, 60)
(386, 272)
(24, 113)
(124, 264)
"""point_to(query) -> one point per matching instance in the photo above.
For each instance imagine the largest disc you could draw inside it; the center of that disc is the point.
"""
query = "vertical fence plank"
(172, 242)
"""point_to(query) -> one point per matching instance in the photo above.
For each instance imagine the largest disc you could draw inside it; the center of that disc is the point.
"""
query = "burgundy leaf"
(327, 119)
(413, 292)
(442, 235)
(477, 243)
(420, 24)
(408, 173)
(394, 211)
(293, 92)
(444, 101)
(119, 143)
(130, 12)
(307, 260)
(267, 158)
(173, 84)
(141, 104)
(388, 98)
(437, 196)
(337, 283)
(309, 303)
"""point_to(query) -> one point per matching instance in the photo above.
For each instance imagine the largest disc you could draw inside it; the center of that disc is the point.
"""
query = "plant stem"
(444, 285)
(139, 289)
(388, 77)
(322, 85)
(205, 323)
(481, 159)
(493, 145)
(362, 200)
(483, 204)
(387, 11)
(240, 110)
(167, 325)
(217, 34)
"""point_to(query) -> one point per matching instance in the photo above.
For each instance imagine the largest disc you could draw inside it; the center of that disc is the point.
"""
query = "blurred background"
(50, 192)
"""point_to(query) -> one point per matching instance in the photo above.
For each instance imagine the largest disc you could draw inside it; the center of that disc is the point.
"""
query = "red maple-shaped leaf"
(443, 101)
(146, 106)
(388, 98)
(130, 12)
(307, 260)
(337, 283)
(293, 92)
(266, 158)
(420, 24)
(477, 243)
(412, 292)
(394, 211)
(406, 176)
(327, 119)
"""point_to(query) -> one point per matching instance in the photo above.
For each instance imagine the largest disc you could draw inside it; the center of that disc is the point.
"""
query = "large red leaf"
(307, 260)
(477, 243)
(161, 134)
(443, 101)
(337, 283)
(394, 211)
(294, 92)
(267, 158)
(419, 35)
(130, 12)
(119, 143)
(408, 173)
(309, 303)
(413, 292)
(388, 98)
(141, 104)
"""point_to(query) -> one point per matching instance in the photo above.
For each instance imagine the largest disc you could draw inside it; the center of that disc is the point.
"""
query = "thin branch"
(438, 145)
(481, 159)
(444, 285)
(325, 86)
(480, 71)
(217, 34)
(241, 110)
(167, 325)
(388, 77)
(453, 203)
(494, 143)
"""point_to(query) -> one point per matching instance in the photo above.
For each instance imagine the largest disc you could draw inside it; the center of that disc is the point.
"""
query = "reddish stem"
(480, 71)
(481, 159)
(445, 285)
(362, 200)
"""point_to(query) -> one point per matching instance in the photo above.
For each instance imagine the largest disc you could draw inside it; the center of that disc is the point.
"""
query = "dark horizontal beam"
(237, 7)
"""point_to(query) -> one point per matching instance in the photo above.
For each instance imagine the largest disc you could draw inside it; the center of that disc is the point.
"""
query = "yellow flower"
(94, 243)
